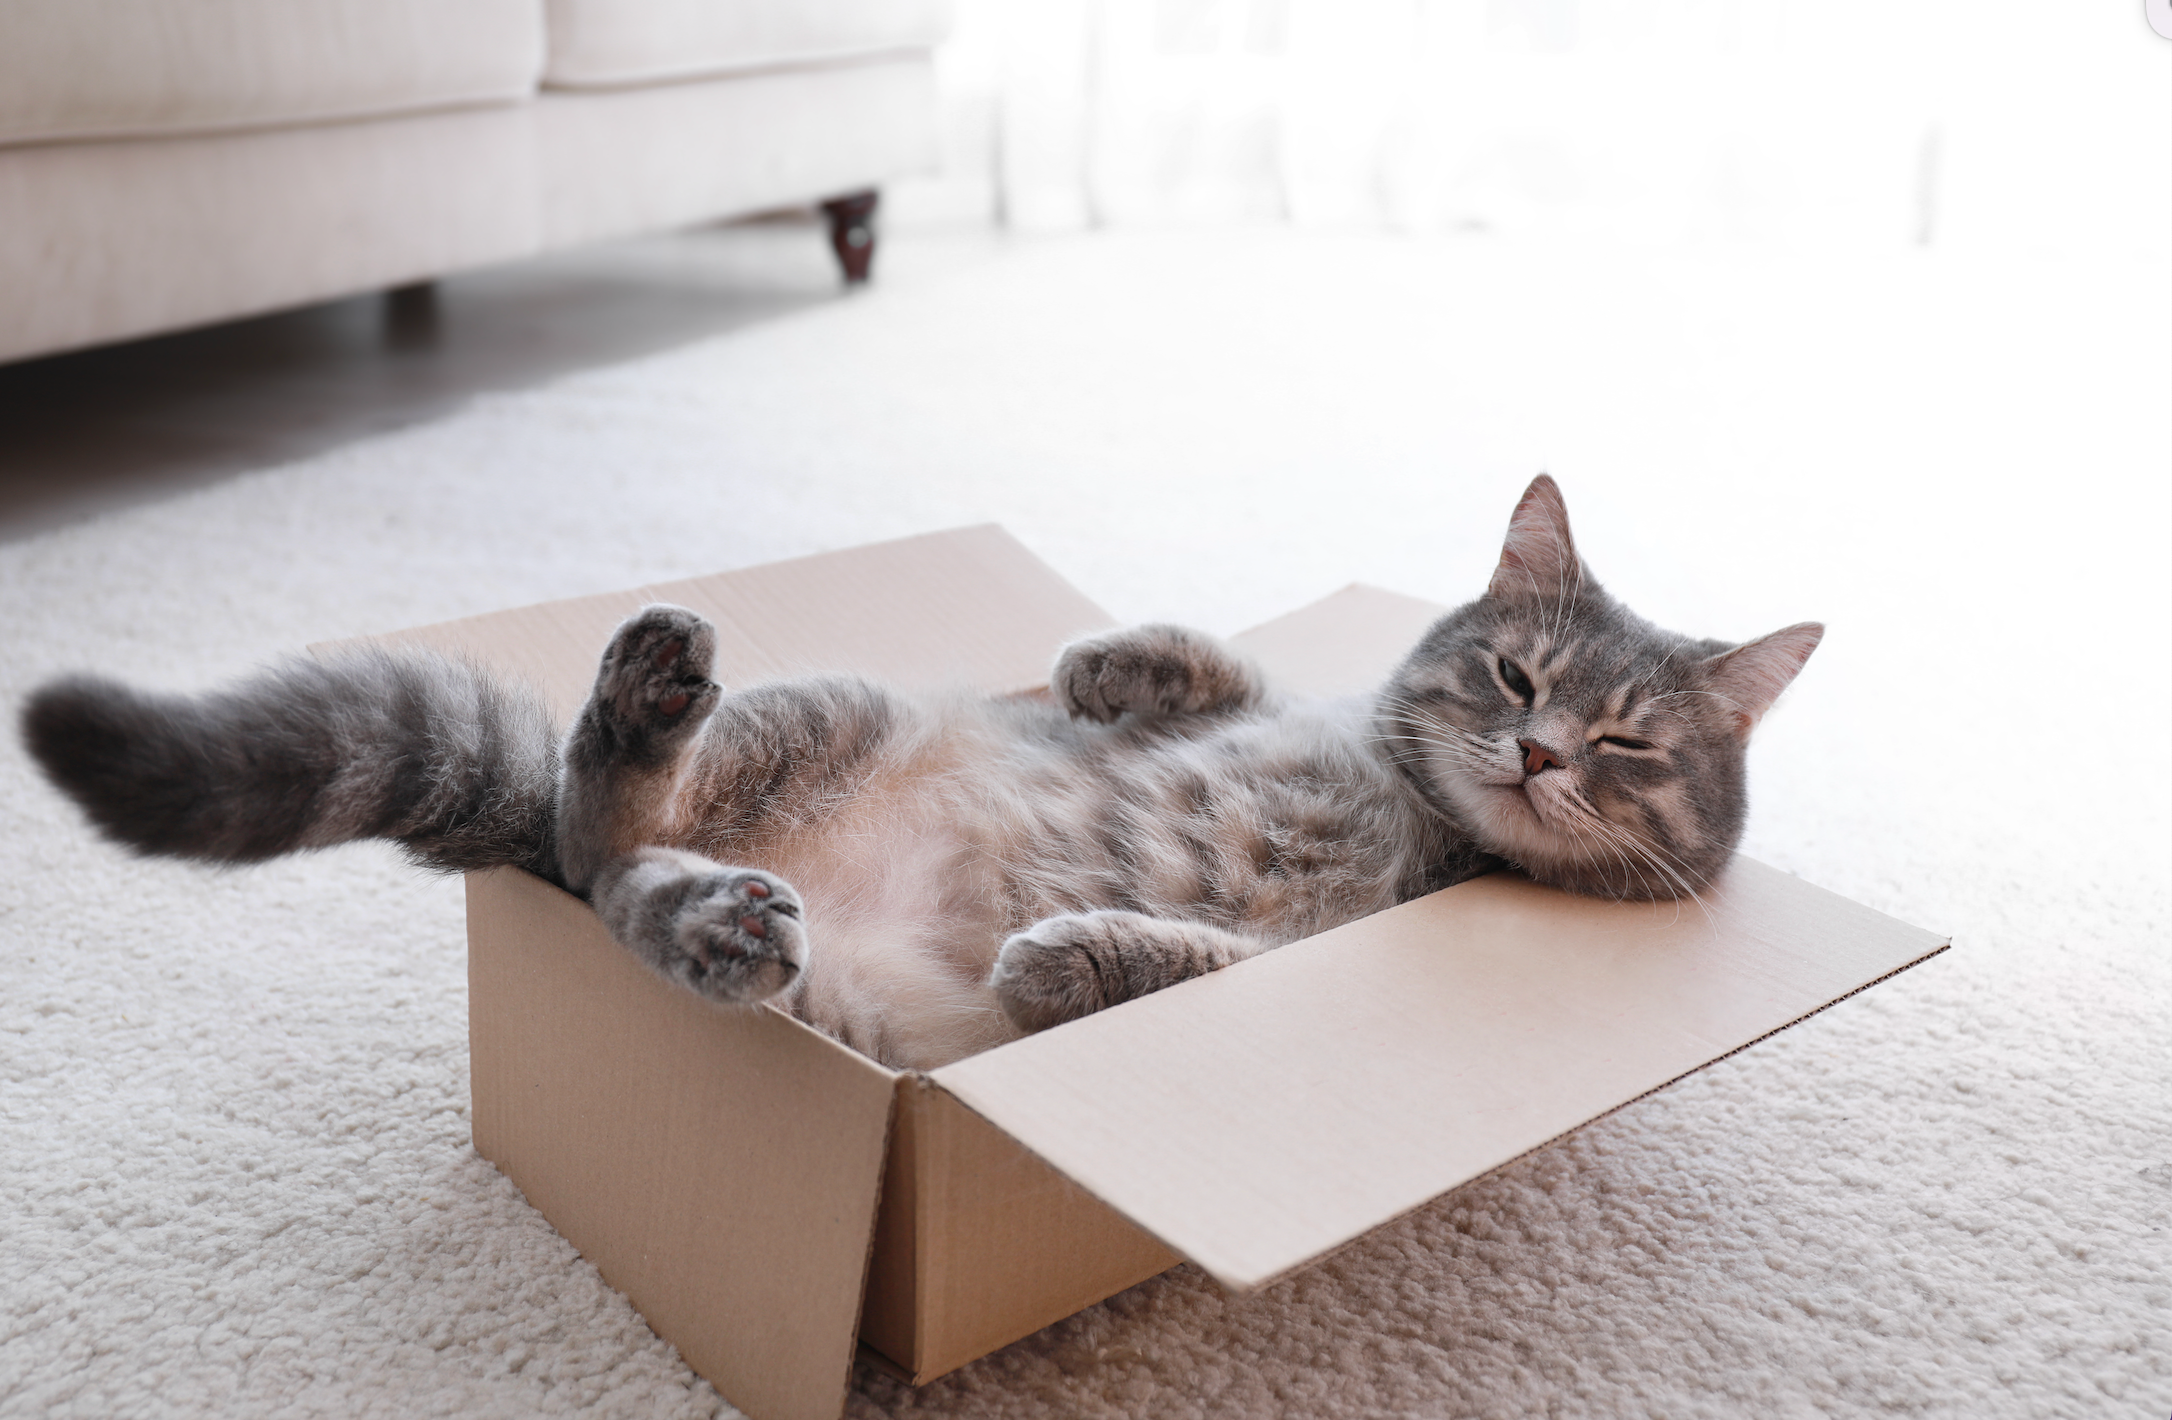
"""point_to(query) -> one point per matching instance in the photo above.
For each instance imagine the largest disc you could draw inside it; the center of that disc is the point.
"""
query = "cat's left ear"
(1751, 676)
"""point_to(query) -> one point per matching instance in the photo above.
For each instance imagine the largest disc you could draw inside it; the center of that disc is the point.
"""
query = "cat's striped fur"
(926, 877)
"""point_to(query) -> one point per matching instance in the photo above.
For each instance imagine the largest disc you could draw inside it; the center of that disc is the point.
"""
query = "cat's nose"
(1536, 757)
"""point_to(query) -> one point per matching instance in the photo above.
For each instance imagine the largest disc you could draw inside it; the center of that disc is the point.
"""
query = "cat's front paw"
(1150, 670)
(653, 687)
(1066, 967)
(1056, 971)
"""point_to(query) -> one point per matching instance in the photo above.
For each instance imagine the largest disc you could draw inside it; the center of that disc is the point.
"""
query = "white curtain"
(1853, 123)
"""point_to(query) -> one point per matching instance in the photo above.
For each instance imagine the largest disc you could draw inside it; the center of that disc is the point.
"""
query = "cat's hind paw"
(742, 938)
(734, 935)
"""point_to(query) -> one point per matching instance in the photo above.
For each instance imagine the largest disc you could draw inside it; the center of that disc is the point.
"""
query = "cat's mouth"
(1537, 802)
(1526, 813)
(1531, 799)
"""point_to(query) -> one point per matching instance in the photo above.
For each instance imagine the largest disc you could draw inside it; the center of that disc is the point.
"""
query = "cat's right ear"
(1538, 558)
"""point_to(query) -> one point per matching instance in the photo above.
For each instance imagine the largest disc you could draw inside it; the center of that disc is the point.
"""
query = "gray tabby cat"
(926, 878)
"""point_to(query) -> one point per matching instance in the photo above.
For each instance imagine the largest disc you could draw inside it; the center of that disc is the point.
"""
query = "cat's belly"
(903, 926)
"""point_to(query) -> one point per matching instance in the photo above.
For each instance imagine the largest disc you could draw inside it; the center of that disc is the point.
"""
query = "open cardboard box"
(770, 1199)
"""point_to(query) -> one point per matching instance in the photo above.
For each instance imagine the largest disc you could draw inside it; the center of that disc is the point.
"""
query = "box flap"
(1258, 1117)
(967, 608)
(1343, 644)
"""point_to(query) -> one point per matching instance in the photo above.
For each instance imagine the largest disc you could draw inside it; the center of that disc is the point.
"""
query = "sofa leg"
(411, 315)
(852, 232)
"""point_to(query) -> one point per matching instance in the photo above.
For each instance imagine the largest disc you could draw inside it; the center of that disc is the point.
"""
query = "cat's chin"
(1512, 821)
(1506, 820)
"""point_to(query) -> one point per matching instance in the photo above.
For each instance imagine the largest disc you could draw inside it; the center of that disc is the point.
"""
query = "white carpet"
(235, 1176)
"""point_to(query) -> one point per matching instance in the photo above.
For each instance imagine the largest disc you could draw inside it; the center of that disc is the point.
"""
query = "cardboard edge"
(916, 1085)
(875, 1361)
(646, 592)
(925, 1242)
(860, 1348)
(943, 1340)
(1241, 1289)
(897, 1208)
(930, 1239)
(1059, 1170)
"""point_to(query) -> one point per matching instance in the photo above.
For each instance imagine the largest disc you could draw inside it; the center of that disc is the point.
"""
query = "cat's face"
(1592, 749)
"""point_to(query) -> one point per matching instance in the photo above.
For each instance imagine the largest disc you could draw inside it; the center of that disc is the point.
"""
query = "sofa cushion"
(109, 68)
(607, 43)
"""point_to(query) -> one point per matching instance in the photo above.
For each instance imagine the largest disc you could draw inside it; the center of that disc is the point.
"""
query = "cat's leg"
(622, 762)
(731, 934)
(1152, 670)
(1070, 966)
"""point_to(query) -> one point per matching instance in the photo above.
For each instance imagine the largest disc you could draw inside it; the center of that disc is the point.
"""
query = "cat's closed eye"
(1518, 683)
(1623, 742)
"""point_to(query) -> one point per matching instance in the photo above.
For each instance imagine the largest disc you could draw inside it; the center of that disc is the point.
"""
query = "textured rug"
(235, 1176)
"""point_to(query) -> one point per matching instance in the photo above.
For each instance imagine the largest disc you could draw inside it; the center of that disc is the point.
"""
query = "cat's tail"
(458, 767)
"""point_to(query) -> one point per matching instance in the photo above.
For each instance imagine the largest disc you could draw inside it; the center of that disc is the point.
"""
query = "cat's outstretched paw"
(1151, 670)
(731, 934)
(1058, 970)
(1062, 968)
(653, 687)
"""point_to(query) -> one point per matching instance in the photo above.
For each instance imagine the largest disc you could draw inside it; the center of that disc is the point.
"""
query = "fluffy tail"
(457, 767)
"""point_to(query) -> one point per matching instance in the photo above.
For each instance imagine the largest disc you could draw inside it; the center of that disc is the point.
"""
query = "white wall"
(2009, 125)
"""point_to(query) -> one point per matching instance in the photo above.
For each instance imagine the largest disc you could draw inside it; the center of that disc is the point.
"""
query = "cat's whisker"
(1671, 872)
(1596, 829)
(1638, 857)
(1585, 818)
(1656, 667)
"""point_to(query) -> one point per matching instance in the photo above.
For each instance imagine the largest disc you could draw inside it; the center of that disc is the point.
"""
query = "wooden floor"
(90, 431)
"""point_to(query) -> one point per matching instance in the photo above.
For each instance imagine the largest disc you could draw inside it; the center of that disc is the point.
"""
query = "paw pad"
(655, 676)
(743, 930)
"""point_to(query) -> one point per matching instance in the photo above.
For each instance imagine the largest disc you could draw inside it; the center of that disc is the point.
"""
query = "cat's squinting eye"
(1622, 742)
(1516, 680)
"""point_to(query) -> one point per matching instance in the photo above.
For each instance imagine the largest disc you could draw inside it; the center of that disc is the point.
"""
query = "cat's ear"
(1539, 556)
(1751, 676)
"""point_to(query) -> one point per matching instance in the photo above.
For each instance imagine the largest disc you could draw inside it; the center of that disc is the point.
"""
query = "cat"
(924, 878)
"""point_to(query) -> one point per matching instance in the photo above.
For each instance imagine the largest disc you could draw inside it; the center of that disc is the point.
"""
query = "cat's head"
(1574, 738)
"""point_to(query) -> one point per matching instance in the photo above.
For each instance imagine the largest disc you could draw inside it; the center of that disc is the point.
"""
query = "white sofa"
(167, 164)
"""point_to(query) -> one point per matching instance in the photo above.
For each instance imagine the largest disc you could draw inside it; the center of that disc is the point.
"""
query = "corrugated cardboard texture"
(719, 1167)
(889, 1313)
(980, 1242)
(1261, 1116)
(970, 608)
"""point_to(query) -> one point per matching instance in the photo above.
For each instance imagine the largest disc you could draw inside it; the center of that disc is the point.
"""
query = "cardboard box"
(770, 1200)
